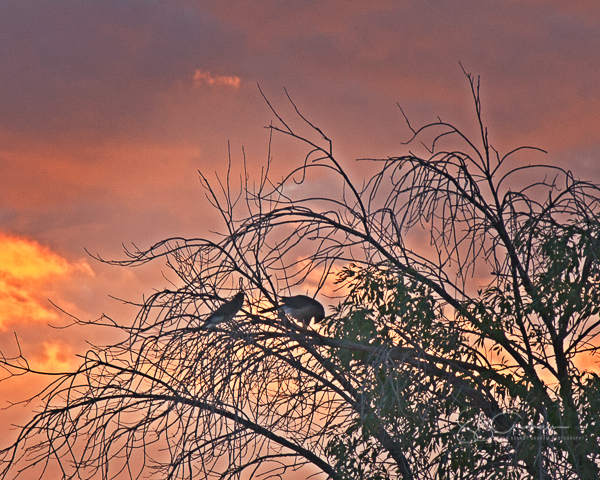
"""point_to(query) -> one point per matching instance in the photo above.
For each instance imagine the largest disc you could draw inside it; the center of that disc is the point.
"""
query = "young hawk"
(226, 311)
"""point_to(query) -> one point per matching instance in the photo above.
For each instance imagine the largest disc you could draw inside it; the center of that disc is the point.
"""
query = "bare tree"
(469, 288)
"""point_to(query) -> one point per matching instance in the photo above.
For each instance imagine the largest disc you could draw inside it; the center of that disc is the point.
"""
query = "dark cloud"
(99, 67)
(101, 70)
(536, 59)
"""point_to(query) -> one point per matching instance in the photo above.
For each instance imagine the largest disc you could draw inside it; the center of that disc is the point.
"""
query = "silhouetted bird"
(227, 311)
(300, 307)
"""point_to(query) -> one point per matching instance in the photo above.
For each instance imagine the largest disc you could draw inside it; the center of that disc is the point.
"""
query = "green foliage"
(427, 414)
(402, 319)
(384, 307)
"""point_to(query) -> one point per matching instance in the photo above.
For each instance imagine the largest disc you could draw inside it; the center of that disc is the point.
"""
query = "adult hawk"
(300, 307)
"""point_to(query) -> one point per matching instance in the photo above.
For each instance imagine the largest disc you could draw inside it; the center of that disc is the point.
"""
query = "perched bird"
(226, 312)
(300, 307)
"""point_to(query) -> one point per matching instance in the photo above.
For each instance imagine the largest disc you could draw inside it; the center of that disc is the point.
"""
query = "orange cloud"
(56, 357)
(204, 77)
(26, 267)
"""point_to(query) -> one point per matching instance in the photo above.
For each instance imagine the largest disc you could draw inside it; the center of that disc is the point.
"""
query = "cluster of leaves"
(422, 407)
(398, 319)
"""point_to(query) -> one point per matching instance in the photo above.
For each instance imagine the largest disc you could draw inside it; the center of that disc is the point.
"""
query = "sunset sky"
(108, 109)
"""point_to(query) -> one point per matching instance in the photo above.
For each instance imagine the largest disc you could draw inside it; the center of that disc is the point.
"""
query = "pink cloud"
(204, 77)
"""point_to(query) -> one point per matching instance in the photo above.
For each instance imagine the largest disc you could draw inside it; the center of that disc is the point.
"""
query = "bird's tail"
(270, 309)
